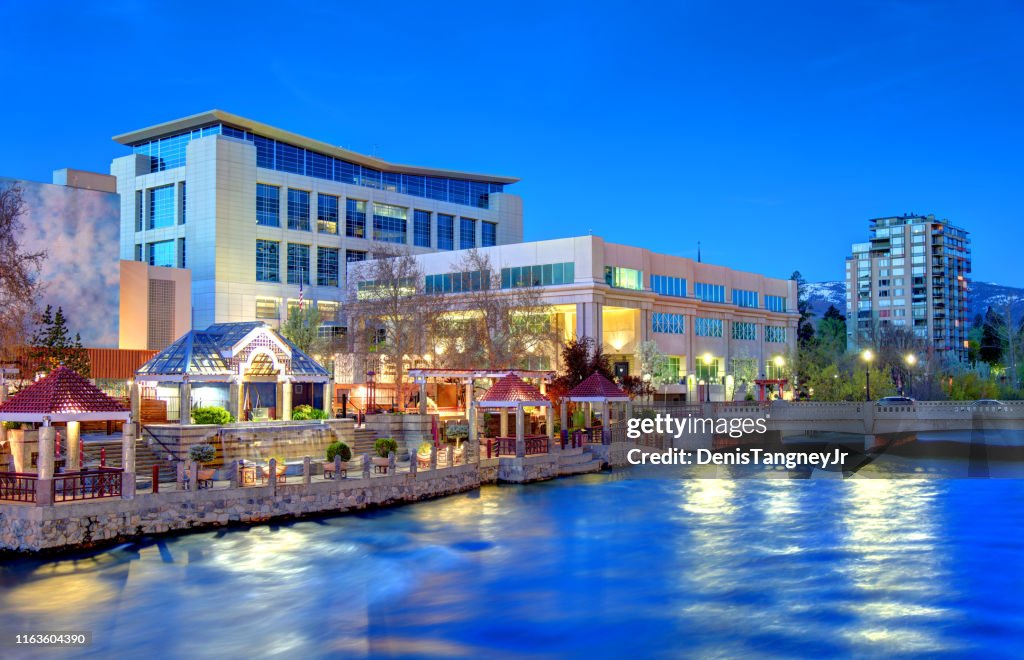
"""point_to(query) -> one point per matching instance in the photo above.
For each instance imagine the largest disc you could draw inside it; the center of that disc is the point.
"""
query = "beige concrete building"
(156, 305)
(913, 273)
(712, 322)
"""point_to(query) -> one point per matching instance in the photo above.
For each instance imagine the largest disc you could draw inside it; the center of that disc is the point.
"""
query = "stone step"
(574, 459)
(580, 468)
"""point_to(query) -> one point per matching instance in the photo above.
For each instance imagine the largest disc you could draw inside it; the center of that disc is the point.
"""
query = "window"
(624, 278)
(665, 322)
(355, 218)
(457, 282)
(774, 334)
(775, 303)
(298, 209)
(774, 371)
(743, 298)
(161, 253)
(298, 263)
(445, 231)
(467, 233)
(354, 255)
(181, 252)
(327, 266)
(326, 214)
(488, 234)
(744, 331)
(709, 292)
(421, 228)
(138, 252)
(669, 286)
(389, 223)
(267, 308)
(138, 213)
(706, 372)
(268, 205)
(540, 275)
(289, 159)
(703, 327)
(161, 207)
(670, 370)
(181, 188)
(268, 261)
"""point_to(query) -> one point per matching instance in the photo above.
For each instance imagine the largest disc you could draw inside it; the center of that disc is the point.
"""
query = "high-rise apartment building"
(912, 273)
(260, 215)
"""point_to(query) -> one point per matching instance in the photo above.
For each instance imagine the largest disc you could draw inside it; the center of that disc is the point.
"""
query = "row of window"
(328, 266)
(668, 323)
(474, 280)
(709, 292)
(667, 285)
(389, 222)
(270, 308)
(169, 152)
(744, 298)
(774, 334)
(704, 327)
(162, 253)
(538, 275)
(624, 278)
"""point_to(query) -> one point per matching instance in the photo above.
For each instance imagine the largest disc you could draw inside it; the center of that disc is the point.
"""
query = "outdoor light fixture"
(779, 361)
(707, 358)
(867, 355)
(911, 360)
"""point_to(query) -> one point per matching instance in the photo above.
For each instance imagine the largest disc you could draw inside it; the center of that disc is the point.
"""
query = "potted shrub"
(383, 446)
(337, 449)
(423, 455)
(203, 453)
(211, 415)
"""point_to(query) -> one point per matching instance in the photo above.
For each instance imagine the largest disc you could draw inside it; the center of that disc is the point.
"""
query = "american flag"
(300, 296)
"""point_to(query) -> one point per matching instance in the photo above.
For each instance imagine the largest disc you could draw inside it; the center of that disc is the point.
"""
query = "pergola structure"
(235, 355)
(62, 396)
(595, 389)
(513, 393)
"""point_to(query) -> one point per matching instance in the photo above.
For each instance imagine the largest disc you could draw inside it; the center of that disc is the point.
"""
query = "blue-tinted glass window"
(539, 275)
(744, 331)
(184, 214)
(181, 253)
(669, 286)
(437, 188)
(744, 298)
(414, 185)
(355, 218)
(290, 159)
(327, 266)
(421, 228)
(467, 233)
(775, 303)
(458, 191)
(478, 194)
(161, 254)
(391, 181)
(488, 234)
(233, 132)
(346, 172)
(709, 292)
(268, 261)
(298, 264)
(389, 223)
(774, 334)
(298, 209)
(354, 255)
(139, 207)
(161, 207)
(264, 152)
(703, 327)
(268, 205)
(668, 323)
(319, 165)
(372, 178)
(326, 214)
(445, 231)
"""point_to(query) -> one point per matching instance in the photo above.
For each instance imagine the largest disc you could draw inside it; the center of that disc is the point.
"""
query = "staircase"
(145, 458)
(362, 442)
(577, 460)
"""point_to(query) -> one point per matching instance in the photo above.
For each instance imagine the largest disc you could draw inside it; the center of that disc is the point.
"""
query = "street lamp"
(708, 359)
(911, 360)
(867, 355)
(779, 363)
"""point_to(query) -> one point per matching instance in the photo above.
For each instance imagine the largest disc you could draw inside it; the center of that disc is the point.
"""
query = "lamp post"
(779, 363)
(708, 359)
(867, 355)
(911, 360)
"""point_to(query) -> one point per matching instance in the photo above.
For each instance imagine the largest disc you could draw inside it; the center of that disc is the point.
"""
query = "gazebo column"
(606, 419)
(588, 414)
(549, 419)
(503, 425)
(128, 461)
(286, 403)
(520, 431)
(329, 398)
(135, 399)
(423, 397)
(469, 395)
(237, 400)
(564, 415)
(44, 463)
(73, 448)
(472, 440)
(184, 402)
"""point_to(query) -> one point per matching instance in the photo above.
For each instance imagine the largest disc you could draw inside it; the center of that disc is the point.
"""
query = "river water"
(637, 562)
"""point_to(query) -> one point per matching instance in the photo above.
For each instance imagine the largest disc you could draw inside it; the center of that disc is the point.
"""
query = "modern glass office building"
(258, 213)
(913, 273)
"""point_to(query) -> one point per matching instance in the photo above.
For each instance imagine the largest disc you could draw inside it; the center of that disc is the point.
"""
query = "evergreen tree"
(804, 328)
(52, 345)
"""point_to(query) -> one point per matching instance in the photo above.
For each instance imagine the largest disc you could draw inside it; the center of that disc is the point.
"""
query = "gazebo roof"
(596, 387)
(63, 396)
(510, 392)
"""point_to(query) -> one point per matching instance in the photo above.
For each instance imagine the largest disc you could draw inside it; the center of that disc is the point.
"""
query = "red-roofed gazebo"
(595, 389)
(512, 392)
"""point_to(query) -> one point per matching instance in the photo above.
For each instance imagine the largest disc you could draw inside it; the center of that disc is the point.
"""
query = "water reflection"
(638, 561)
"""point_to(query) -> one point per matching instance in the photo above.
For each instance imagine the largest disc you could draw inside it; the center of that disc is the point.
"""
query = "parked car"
(895, 401)
(984, 403)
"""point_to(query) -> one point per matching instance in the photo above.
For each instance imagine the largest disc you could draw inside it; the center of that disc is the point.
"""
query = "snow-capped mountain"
(982, 296)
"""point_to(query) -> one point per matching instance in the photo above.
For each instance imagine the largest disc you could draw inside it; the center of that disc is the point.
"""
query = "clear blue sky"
(771, 135)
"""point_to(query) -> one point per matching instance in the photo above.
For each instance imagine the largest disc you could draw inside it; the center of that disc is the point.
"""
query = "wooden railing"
(87, 484)
(17, 487)
(534, 444)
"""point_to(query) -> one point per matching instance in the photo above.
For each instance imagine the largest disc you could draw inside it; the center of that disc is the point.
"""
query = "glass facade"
(354, 255)
(467, 233)
(355, 218)
(421, 228)
(138, 212)
(161, 207)
(539, 275)
(445, 231)
(161, 253)
(488, 234)
(775, 303)
(389, 223)
(457, 282)
(268, 261)
(326, 214)
(298, 209)
(704, 327)
(267, 308)
(744, 331)
(669, 286)
(169, 152)
(709, 292)
(184, 214)
(774, 334)
(743, 298)
(298, 263)
(327, 266)
(668, 323)
(624, 278)
(268, 205)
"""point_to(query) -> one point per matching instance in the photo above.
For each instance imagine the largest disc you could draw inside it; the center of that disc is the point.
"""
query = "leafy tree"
(581, 357)
(52, 345)
(302, 328)
(20, 287)
(804, 328)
